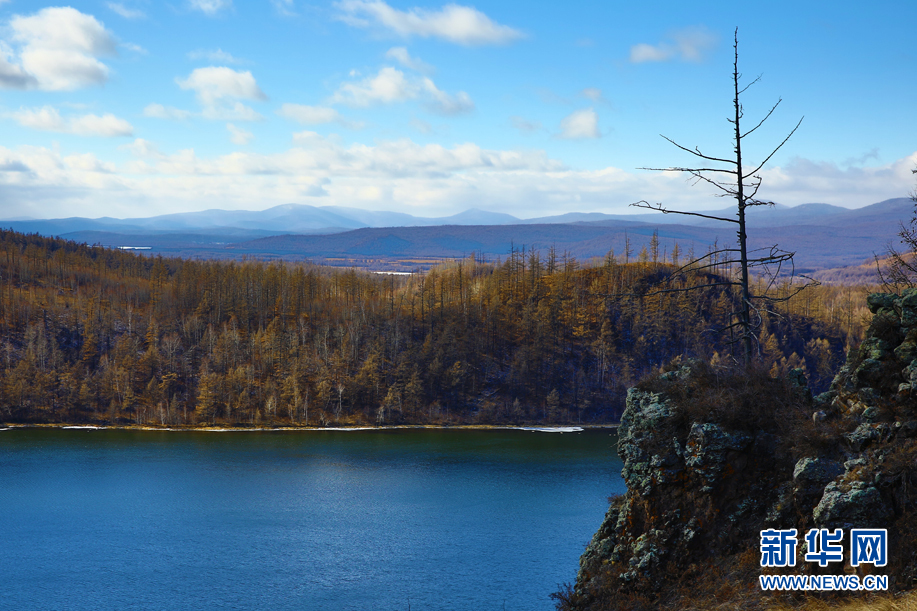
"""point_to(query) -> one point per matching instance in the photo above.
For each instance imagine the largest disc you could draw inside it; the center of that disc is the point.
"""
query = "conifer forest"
(95, 335)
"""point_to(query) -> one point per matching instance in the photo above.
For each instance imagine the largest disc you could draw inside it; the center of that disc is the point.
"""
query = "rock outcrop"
(712, 457)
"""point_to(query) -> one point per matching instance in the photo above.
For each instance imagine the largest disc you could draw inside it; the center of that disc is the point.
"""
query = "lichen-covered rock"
(867, 433)
(600, 547)
(871, 414)
(810, 476)
(707, 448)
(907, 350)
(877, 301)
(869, 371)
(869, 396)
(854, 505)
(874, 348)
(647, 440)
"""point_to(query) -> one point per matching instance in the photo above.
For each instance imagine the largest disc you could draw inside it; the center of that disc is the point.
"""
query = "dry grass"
(906, 601)
(749, 399)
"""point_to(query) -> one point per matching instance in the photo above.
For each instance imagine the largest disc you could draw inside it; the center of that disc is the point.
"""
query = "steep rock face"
(709, 463)
(692, 487)
(873, 400)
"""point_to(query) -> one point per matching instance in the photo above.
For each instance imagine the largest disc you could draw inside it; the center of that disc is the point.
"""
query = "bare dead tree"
(731, 178)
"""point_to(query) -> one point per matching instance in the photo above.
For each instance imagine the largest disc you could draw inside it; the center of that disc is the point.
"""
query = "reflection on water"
(315, 520)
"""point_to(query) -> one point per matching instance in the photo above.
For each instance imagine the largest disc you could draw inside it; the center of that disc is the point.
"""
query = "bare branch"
(812, 282)
(726, 190)
(745, 88)
(679, 169)
(688, 266)
(761, 122)
(754, 191)
(645, 204)
(696, 152)
(779, 146)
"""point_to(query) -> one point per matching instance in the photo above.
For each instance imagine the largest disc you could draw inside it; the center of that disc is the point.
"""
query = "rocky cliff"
(713, 456)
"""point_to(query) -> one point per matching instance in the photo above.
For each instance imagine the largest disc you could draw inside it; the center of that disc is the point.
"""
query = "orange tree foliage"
(89, 334)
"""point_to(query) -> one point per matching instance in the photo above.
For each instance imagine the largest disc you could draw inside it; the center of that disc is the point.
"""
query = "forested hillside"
(96, 335)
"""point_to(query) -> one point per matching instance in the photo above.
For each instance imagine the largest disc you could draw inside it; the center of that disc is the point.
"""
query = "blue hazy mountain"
(823, 236)
(283, 219)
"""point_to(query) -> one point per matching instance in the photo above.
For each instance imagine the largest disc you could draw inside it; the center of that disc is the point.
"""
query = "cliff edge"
(713, 456)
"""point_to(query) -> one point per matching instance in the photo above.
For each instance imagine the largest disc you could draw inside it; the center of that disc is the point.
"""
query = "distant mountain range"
(823, 236)
(285, 219)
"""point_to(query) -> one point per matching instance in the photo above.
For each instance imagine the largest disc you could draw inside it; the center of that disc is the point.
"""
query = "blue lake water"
(458, 520)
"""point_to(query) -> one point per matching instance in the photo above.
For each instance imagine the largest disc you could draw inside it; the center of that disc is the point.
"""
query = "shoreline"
(559, 428)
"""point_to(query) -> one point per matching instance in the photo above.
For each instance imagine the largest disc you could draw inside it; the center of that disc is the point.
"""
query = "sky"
(137, 108)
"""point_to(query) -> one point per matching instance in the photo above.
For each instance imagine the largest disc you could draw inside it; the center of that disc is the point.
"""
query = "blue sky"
(136, 108)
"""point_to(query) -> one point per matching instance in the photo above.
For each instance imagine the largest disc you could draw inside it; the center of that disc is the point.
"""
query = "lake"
(419, 519)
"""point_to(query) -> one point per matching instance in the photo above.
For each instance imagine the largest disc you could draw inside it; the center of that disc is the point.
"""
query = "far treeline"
(93, 335)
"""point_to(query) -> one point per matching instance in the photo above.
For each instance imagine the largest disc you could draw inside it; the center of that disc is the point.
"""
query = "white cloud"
(687, 44)
(210, 7)
(694, 42)
(87, 162)
(126, 12)
(14, 77)
(391, 85)
(219, 88)
(158, 111)
(315, 115)
(239, 136)
(235, 111)
(643, 52)
(308, 114)
(64, 29)
(45, 119)
(401, 55)
(455, 23)
(593, 93)
(59, 49)
(107, 125)
(142, 148)
(580, 124)
(216, 84)
(446, 104)
(388, 86)
(215, 55)
(48, 118)
(804, 181)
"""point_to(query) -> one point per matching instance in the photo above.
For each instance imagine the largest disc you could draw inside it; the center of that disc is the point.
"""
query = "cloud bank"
(397, 174)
